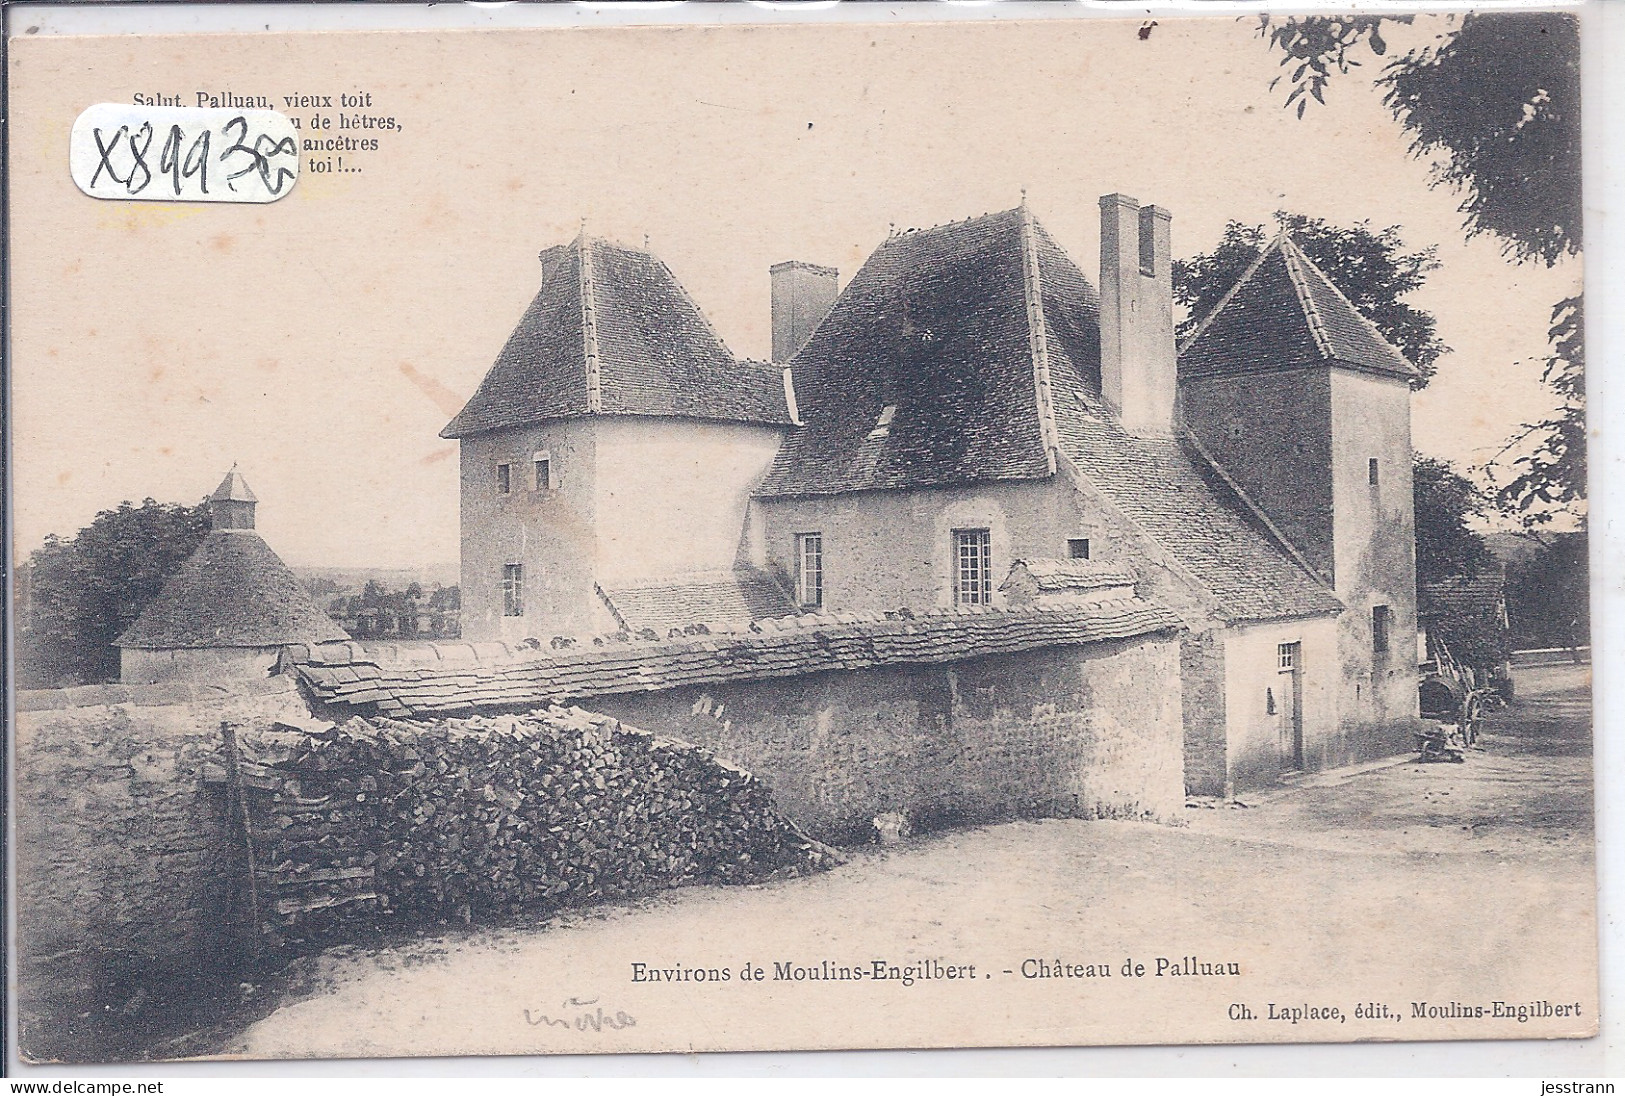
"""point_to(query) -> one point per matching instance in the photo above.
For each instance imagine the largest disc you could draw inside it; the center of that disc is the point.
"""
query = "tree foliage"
(1371, 267)
(1446, 546)
(1547, 459)
(84, 591)
(1548, 593)
(1495, 103)
(379, 611)
(1448, 550)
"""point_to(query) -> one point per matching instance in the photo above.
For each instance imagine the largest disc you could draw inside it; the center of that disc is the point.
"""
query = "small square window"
(1371, 471)
(810, 570)
(513, 589)
(1286, 656)
(543, 464)
(1077, 548)
(1382, 618)
(974, 566)
(504, 479)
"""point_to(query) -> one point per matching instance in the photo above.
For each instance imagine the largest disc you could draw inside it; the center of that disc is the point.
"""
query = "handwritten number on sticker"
(194, 162)
(183, 154)
(139, 142)
(259, 161)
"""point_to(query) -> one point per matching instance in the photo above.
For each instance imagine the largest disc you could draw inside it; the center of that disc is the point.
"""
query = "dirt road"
(1444, 887)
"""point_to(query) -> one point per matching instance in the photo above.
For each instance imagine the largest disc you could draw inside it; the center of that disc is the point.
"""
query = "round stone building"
(230, 608)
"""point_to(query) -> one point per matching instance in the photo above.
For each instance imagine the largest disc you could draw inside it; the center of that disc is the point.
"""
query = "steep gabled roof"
(983, 337)
(612, 331)
(938, 325)
(233, 592)
(1166, 488)
(1284, 313)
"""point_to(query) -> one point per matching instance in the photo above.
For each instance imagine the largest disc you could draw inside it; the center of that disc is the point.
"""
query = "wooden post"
(238, 804)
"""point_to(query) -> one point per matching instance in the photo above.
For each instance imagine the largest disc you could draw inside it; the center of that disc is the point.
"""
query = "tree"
(1446, 547)
(1372, 268)
(1548, 594)
(1549, 470)
(85, 591)
(1495, 102)
(1449, 555)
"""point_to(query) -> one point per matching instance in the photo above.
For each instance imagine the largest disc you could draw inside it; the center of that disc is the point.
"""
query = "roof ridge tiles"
(1246, 276)
(1311, 311)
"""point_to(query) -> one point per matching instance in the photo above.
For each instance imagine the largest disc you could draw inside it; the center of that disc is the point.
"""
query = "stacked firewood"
(488, 816)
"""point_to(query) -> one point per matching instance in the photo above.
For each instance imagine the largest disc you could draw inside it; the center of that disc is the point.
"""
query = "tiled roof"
(344, 679)
(711, 598)
(935, 326)
(1170, 492)
(1285, 313)
(234, 488)
(1074, 574)
(1483, 594)
(612, 331)
(232, 592)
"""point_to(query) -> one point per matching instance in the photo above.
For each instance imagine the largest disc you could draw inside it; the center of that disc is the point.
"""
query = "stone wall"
(626, 501)
(1089, 731)
(1201, 662)
(126, 860)
(140, 666)
(123, 852)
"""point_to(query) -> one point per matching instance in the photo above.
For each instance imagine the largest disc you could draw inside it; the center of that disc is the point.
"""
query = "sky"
(321, 342)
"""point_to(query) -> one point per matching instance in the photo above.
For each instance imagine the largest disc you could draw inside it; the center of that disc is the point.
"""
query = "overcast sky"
(323, 341)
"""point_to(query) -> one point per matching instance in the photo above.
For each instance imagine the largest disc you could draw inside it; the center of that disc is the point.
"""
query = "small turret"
(232, 504)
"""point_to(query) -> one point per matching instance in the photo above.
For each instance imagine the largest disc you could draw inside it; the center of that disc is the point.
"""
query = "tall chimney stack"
(802, 296)
(1137, 354)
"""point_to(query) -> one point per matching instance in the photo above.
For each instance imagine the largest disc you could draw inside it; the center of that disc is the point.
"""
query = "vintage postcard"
(912, 533)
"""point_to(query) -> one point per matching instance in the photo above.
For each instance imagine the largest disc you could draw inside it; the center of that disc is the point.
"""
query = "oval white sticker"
(183, 154)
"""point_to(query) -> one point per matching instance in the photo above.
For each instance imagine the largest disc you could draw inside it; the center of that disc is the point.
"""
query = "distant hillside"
(325, 581)
(1511, 548)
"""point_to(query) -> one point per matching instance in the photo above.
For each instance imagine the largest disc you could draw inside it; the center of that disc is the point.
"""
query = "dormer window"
(883, 424)
(542, 462)
(504, 479)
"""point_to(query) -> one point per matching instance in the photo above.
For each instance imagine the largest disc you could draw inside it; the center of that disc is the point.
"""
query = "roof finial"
(1023, 195)
(646, 241)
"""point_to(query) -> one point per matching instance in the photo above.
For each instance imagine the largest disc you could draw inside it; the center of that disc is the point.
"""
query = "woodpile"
(484, 817)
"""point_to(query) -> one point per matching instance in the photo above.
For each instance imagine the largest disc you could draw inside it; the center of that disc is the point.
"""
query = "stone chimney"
(232, 504)
(1137, 356)
(802, 296)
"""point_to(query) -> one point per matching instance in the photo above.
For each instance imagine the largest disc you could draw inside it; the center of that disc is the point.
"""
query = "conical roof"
(1285, 313)
(233, 592)
(613, 332)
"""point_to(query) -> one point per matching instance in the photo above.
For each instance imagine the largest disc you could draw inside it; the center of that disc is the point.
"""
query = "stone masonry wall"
(1090, 731)
(123, 852)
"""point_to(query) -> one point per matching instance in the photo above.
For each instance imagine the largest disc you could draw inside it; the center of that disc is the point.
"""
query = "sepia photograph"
(839, 535)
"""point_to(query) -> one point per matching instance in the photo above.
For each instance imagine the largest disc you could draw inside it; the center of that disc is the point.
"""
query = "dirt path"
(1443, 884)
